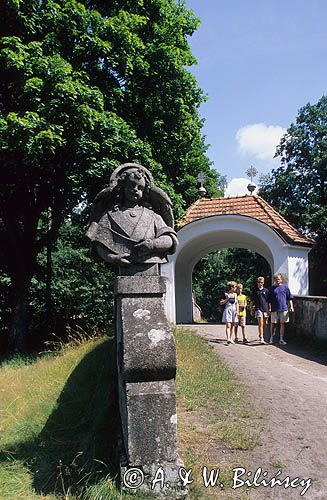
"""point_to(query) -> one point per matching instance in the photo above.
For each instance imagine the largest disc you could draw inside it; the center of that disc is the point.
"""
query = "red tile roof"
(250, 206)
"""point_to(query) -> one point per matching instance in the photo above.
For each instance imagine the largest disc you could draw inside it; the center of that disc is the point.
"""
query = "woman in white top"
(230, 314)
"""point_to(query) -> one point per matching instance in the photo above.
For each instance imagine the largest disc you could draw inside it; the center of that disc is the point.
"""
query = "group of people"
(275, 302)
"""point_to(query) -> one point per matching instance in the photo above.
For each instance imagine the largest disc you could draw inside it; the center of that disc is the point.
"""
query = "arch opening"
(212, 272)
(209, 234)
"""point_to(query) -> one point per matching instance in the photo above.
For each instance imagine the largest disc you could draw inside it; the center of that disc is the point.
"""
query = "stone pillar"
(146, 357)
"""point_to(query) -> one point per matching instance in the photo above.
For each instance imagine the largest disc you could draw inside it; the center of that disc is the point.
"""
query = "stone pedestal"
(146, 357)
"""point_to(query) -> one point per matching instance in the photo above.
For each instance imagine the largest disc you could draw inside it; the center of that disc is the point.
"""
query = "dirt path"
(290, 386)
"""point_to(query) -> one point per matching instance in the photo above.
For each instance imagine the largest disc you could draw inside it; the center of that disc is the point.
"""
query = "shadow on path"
(306, 348)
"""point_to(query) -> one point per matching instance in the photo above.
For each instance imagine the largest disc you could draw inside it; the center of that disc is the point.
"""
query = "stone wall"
(310, 316)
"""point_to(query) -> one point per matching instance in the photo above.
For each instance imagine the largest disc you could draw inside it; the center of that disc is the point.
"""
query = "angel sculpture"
(132, 220)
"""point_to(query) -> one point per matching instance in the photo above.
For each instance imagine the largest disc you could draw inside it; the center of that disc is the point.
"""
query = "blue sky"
(259, 61)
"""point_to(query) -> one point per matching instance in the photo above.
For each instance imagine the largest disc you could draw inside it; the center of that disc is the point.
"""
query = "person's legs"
(232, 331)
(235, 329)
(260, 327)
(281, 330)
(228, 332)
(281, 333)
(273, 325)
(261, 324)
(264, 326)
(245, 340)
(283, 318)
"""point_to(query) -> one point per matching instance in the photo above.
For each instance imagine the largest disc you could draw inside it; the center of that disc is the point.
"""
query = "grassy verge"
(59, 419)
(217, 422)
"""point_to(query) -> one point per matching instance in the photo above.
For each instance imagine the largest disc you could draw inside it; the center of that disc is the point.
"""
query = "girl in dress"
(230, 314)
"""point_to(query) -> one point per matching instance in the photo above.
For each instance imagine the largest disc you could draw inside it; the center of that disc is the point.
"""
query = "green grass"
(278, 464)
(58, 421)
(59, 418)
(216, 417)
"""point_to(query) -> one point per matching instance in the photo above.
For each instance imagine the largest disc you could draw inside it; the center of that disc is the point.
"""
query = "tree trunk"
(48, 294)
(18, 323)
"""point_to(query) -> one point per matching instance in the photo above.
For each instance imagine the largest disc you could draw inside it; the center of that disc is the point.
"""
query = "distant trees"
(81, 292)
(84, 87)
(213, 271)
(298, 189)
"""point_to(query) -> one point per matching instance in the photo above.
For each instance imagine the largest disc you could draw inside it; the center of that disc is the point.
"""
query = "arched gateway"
(238, 222)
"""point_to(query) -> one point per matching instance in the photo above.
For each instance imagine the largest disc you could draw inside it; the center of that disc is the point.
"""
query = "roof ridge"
(224, 197)
(253, 206)
(280, 216)
(196, 202)
(180, 221)
(238, 196)
(264, 207)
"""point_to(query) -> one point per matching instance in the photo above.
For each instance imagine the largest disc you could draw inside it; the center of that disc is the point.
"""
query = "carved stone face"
(133, 189)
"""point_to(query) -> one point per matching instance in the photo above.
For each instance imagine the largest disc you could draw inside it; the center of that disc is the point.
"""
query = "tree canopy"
(213, 271)
(298, 188)
(84, 87)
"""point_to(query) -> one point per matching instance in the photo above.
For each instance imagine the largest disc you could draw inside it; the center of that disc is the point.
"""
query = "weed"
(278, 464)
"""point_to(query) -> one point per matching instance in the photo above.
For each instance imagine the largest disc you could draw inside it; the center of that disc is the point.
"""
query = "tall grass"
(59, 419)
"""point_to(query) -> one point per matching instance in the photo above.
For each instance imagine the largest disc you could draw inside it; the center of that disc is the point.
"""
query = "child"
(259, 300)
(242, 303)
(230, 311)
(280, 302)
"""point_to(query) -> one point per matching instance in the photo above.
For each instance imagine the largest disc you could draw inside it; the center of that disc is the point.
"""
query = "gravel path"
(289, 385)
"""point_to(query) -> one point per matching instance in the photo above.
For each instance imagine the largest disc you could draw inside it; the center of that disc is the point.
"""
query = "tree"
(84, 87)
(298, 188)
(212, 273)
(81, 289)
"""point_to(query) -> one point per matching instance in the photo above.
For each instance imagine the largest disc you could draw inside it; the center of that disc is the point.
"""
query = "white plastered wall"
(298, 271)
(206, 235)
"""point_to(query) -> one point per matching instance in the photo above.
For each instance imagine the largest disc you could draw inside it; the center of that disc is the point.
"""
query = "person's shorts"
(229, 315)
(280, 317)
(241, 320)
(261, 314)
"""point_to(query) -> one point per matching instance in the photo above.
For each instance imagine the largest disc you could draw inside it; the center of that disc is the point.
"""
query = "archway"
(207, 234)
(212, 272)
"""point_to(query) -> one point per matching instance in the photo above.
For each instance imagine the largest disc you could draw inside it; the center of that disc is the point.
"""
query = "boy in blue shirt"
(259, 302)
(280, 302)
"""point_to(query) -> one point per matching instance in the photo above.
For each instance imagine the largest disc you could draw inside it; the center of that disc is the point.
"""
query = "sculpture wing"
(162, 205)
(101, 203)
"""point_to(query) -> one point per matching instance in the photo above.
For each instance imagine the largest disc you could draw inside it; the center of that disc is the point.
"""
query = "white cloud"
(237, 187)
(259, 140)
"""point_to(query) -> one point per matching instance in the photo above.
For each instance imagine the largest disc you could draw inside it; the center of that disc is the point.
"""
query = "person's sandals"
(245, 341)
